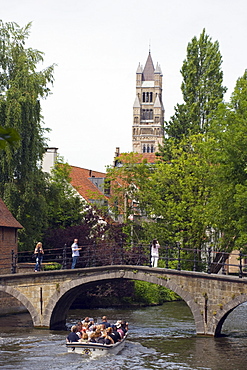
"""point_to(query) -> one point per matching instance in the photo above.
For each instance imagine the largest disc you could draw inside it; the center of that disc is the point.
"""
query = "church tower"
(148, 110)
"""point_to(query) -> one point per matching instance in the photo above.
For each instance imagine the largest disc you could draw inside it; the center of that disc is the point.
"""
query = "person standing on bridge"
(39, 253)
(75, 253)
(154, 253)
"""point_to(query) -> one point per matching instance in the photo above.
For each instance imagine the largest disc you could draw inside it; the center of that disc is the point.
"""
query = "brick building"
(8, 238)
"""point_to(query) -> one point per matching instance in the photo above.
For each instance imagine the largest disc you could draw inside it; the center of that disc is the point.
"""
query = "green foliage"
(152, 294)
(52, 266)
(22, 85)
(127, 181)
(8, 136)
(64, 206)
(177, 193)
(201, 88)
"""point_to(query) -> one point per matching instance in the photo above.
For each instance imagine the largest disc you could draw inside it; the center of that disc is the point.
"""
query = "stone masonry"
(48, 295)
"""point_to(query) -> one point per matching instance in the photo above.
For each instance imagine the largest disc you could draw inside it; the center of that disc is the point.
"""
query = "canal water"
(160, 337)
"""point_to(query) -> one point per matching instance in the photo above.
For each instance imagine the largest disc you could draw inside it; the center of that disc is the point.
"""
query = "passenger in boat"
(73, 337)
(92, 338)
(84, 338)
(105, 338)
(124, 326)
(105, 322)
(119, 329)
(88, 320)
(155, 253)
(92, 328)
(39, 253)
(95, 336)
(79, 329)
(98, 333)
(114, 335)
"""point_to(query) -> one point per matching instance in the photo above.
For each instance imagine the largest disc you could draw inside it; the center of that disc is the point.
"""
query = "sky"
(97, 46)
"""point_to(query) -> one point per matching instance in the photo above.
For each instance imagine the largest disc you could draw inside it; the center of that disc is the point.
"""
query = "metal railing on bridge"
(205, 260)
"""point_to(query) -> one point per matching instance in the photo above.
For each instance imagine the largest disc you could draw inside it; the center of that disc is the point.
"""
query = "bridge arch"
(24, 300)
(226, 310)
(60, 302)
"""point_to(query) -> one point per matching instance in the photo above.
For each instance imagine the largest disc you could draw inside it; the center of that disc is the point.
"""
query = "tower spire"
(148, 72)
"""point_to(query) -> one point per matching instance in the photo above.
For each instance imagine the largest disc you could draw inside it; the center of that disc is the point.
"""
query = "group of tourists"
(39, 253)
(104, 333)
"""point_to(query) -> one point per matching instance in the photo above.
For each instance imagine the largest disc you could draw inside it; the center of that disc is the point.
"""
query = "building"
(49, 159)
(89, 184)
(148, 110)
(8, 238)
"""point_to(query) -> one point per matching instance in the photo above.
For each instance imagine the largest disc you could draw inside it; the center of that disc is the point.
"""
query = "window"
(147, 97)
(147, 114)
(144, 148)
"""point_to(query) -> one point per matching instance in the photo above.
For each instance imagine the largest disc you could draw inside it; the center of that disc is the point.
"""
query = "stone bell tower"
(148, 110)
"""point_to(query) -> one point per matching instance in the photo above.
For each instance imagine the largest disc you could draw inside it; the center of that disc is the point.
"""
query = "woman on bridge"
(155, 253)
(38, 252)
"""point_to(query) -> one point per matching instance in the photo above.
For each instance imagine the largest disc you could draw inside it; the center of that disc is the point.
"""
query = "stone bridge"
(49, 295)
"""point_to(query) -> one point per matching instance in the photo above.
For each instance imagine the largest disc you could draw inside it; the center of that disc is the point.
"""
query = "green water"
(160, 337)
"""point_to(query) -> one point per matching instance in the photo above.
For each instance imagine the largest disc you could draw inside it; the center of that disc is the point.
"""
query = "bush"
(152, 294)
(52, 266)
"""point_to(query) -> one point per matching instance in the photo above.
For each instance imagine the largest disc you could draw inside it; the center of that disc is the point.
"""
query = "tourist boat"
(96, 349)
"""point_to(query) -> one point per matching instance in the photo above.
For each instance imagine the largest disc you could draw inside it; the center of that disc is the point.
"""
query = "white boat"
(95, 349)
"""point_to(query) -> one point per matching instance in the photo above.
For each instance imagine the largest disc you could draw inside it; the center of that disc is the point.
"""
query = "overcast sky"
(97, 46)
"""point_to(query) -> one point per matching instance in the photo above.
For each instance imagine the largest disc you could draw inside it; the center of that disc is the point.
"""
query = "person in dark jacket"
(73, 337)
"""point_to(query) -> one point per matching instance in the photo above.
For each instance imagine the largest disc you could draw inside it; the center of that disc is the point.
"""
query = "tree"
(126, 183)
(65, 208)
(8, 136)
(177, 194)
(201, 88)
(229, 129)
(22, 85)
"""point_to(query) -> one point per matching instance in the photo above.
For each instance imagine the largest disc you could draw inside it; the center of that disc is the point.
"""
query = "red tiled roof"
(6, 217)
(80, 180)
(150, 157)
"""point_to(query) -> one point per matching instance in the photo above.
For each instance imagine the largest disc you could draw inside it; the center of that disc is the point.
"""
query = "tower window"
(147, 97)
(144, 148)
(147, 114)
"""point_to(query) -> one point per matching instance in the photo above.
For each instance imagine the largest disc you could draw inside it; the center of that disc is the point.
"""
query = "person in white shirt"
(75, 253)
(155, 253)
